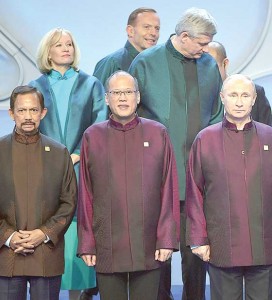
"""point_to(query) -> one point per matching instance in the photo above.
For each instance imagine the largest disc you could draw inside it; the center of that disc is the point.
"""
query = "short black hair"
(22, 90)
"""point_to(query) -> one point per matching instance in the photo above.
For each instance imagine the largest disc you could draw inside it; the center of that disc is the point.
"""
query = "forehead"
(239, 85)
(28, 100)
(147, 18)
(64, 36)
(121, 81)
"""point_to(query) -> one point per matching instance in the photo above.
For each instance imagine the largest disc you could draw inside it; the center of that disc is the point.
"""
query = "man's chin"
(29, 132)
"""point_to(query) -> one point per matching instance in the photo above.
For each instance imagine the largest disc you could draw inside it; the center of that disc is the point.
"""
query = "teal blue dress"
(74, 102)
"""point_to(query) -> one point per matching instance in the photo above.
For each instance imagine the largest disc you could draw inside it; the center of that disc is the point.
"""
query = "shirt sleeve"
(7, 243)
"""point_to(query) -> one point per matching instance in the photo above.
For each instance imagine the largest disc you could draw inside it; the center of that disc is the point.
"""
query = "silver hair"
(196, 21)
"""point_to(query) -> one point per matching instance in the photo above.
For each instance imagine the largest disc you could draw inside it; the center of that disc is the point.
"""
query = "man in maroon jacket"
(228, 198)
(128, 212)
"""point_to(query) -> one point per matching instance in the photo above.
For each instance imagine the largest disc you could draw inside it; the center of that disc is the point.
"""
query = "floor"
(176, 291)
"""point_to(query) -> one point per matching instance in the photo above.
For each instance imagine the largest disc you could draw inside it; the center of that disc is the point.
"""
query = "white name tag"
(146, 144)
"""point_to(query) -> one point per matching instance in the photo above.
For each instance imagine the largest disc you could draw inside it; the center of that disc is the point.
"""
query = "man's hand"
(33, 237)
(90, 260)
(163, 254)
(20, 247)
(203, 252)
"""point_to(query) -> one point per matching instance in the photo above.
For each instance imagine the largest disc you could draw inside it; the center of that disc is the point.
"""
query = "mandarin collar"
(131, 49)
(130, 125)
(175, 52)
(23, 139)
(230, 126)
(57, 75)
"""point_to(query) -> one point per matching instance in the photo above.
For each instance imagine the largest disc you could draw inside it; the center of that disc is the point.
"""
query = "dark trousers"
(165, 282)
(15, 288)
(227, 283)
(193, 268)
(133, 285)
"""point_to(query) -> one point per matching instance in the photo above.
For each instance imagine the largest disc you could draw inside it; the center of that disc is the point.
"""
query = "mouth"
(151, 41)
(123, 106)
(28, 124)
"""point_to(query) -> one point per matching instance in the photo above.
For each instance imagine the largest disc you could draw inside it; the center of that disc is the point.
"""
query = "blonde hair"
(49, 39)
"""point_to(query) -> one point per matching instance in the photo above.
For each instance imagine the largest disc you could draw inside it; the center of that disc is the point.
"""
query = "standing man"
(37, 202)
(143, 31)
(261, 110)
(180, 85)
(128, 213)
(228, 198)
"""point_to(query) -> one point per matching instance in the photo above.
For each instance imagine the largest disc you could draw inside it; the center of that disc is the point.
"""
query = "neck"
(61, 69)
(123, 121)
(240, 124)
(135, 46)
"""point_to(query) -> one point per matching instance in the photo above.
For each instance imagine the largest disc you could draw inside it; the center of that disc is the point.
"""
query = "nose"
(153, 31)
(28, 115)
(239, 101)
(65, 48)
(122, 96)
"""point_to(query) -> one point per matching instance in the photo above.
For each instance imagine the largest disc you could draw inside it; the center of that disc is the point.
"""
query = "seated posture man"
(37, 202)
(128, 213)
(228, 198)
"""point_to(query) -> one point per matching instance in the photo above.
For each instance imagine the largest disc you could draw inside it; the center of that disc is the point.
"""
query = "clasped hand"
(25, 241)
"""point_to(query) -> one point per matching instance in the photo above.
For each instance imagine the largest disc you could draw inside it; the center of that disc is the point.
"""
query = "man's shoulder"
(96, 127)
(151, 52)
(151, 123)
(47, 141)
(154, 127)
(6, 138)
(113, 56)
(263, 128)
(210, 130)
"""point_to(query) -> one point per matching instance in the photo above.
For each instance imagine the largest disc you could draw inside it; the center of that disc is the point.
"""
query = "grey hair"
(196, 21)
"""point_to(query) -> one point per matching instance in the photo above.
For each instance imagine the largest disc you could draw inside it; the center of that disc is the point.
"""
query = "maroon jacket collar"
(130, 125)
